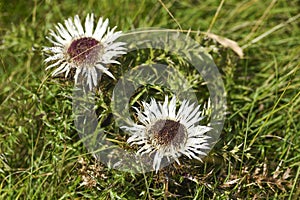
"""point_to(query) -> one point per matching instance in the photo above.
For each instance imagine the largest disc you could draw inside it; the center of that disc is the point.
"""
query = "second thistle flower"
(169, 134)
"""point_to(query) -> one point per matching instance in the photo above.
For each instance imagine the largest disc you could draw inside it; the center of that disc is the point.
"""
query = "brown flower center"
(84, 50)
(166, 132)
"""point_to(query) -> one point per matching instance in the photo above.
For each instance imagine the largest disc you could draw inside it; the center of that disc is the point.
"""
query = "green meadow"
(258, 153)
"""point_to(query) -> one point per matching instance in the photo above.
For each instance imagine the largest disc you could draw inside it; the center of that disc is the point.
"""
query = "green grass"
(257, 155)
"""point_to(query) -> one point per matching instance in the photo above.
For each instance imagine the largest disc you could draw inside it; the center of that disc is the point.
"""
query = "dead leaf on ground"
(227, 43)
